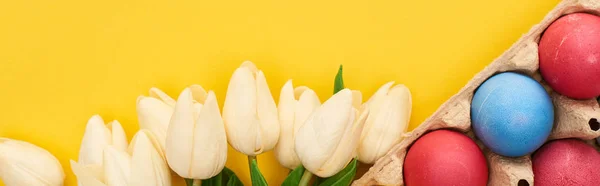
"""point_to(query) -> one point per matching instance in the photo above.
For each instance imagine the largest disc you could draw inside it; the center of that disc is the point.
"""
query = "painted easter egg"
(512, 114)
(445, 157)
(566, 162)
(569, 52)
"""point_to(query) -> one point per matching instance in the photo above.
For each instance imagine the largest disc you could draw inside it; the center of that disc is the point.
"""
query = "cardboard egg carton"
(573, 118)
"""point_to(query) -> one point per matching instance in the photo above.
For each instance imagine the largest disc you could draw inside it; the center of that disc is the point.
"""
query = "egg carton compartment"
(573, 118)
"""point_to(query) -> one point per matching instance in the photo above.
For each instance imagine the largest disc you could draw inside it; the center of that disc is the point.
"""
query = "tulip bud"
(389, 114)
(154, 113)
(295, 105)
(148, 166)
(249, 112)
(90, 169)
(329, 137)
(145, 166)
(97, 136)
(22, 163)
(196, 142)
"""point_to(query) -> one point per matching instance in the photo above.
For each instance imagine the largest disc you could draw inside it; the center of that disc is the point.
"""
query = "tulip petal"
(249, 66)
(239, 113)
(87, 175)
(382, 91)
(147, 165)
(210, 142)
(22, 163)
(117, 166)
(307, 103)
(346, 149)
(343, 152)
(318, 138)
(295, 105)
(179, 143)
(95, 138)
(374, 105)
(154, 115)
(284, 150)
(153, 140)
(162, 96)
(267, 113)
(385, 126)
(119, 139)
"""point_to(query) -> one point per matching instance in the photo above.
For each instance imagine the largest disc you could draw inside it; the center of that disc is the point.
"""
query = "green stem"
(196, 183)
(250, 158)
(305, 178)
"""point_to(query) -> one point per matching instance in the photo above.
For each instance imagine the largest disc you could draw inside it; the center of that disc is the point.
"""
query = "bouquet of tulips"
(319, 142)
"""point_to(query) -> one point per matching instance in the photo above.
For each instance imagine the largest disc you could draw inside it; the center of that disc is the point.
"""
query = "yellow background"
(63, 61)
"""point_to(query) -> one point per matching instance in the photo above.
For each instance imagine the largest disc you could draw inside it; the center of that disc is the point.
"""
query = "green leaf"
(234, 181)
(339, 81)
(342, 178)
(294, 177)
(230, 178)
(255, 175)
(214, 181)
(317, 181)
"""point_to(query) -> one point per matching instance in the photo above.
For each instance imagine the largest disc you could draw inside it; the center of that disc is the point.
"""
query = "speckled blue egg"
(512, 114)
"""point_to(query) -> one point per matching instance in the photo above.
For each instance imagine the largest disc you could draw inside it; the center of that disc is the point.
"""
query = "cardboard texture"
(573, 118)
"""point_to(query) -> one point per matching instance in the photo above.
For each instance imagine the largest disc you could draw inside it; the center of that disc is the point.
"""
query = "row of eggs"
(513, 115)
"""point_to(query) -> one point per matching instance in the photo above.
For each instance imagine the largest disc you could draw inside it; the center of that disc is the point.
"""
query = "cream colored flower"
(329, 137)
(388, 119)
(22, 163)
(250, 113)
(90, 167)
(96, 137)
(196, 142)
(105, 159)
(295, 105)
(154, 113)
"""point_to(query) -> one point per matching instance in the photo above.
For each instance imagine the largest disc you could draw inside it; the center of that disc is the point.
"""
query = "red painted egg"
(569, 52)
(445, 157)
(566, 162)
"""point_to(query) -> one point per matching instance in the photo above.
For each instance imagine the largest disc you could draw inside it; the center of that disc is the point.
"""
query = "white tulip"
(97, 136)
(141, 164)
(327, 141)
(154, 113)
(250, 113)
(196, 145)
(22, 163)
(295, 105)
(148, 166)
(389, 114)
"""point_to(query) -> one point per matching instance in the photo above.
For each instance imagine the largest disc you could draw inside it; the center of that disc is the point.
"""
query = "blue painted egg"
(512, 114)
